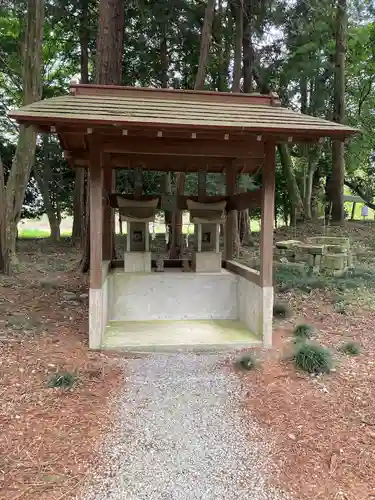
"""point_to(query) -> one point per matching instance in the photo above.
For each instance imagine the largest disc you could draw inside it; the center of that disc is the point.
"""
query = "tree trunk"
(78, 205)
(4, 254)
(237, 64)
(79, 183)
(109, 55)
(248, 55)
(25, 151)
(110, 42)
(296, 208)
(54, 224)
(205, 44)
(312, 165)
(338, 158)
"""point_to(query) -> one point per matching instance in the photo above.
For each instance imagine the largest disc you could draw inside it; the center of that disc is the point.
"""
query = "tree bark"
(109, 64)
(237, 64)
(78, 205)
(79, 183)
(4, 257)
(297, 209)
(25, 152)
(110, 42)
(205, 44)
(338, 158)
(247, 45)
(43, 177)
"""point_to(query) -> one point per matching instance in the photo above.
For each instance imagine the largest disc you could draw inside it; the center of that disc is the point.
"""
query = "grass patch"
(350, 349)
(35, 234)
(62, 380)
(291, 278)
(304, 331)
(313, 358)
(281, 310)
(247, 362)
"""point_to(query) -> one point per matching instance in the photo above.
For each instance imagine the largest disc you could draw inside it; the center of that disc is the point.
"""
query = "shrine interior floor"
(184, 335)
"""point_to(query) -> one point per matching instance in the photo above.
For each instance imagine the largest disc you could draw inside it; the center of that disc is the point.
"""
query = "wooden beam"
(230, 178)
(267, 216)
(96, 219)
(168, 163)
(249, 148)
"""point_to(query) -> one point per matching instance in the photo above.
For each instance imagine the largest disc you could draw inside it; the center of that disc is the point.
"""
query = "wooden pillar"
(96, 222)
(230, 181)
(266, 241)
(109, 181)
(96, 312)
(267, 215)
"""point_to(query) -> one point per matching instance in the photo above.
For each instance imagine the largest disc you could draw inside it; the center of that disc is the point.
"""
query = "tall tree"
(338, 158)
(205, 44)
(79, 184)
(25, 151)
(108, 71)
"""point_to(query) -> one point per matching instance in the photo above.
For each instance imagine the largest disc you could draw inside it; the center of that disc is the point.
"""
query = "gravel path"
(181, 435)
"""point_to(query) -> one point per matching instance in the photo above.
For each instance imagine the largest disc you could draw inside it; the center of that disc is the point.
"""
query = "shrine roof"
(127, 107)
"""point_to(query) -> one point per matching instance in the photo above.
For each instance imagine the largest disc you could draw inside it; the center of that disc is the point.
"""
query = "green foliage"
(304, 331)
(281, 310)
(313, 358)
(299, 55)
(62, 380)
(350, 349)
(247, 362)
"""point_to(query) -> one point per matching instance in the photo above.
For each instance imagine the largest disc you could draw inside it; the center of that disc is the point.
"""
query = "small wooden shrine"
(103, 128)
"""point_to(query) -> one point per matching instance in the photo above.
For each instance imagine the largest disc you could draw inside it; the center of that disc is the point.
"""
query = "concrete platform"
(167, 336)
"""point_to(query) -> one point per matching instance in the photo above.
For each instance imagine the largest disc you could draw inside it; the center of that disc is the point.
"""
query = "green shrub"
(281, 310)
(350, 349)
(313, 358)
(304, 331)
(340, 308)
(63, 380)
(247, 362)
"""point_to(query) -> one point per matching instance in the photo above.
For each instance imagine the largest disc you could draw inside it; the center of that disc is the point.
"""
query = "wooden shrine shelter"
(104, 128)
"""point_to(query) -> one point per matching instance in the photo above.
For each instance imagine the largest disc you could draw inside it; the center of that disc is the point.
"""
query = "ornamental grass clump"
(62, 380)
(350, 349)
(304, 332)
(281, 310)
(313, 358)
(247, 362)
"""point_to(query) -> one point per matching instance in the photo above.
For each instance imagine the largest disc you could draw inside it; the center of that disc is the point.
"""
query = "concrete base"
(207, 262)
(137, 262)
(167, 336)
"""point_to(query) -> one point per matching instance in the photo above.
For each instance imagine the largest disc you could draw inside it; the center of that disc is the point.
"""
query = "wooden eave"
(191, 128)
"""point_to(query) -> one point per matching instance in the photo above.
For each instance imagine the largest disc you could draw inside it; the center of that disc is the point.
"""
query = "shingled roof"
(210, 111)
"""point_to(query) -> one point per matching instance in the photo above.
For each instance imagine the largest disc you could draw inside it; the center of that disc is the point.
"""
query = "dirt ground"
(323, 427)
(48, 435)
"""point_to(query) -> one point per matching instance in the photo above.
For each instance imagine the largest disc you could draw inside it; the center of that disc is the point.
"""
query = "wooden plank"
(186, 95)
(245, 271)
(230, 179)
(267, 216)
(96, 218)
